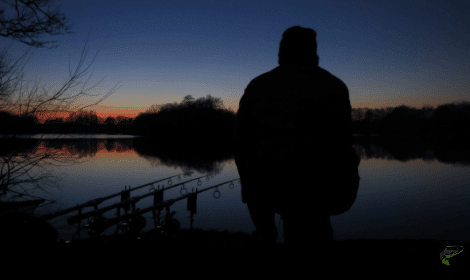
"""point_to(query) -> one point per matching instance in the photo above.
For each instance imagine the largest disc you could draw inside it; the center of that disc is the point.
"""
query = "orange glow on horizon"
(129, 112)
(103, 112)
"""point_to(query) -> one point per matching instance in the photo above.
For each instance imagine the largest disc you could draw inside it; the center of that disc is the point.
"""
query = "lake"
(405, 191)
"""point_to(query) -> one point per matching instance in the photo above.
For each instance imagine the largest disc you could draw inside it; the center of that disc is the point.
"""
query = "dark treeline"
(206, 121)
(17, 124)
(199, 122)
(87, 122)
(194, 119)
(77, 122)
(446, 124)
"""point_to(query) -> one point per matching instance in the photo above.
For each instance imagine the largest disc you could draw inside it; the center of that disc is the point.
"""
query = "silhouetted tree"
(209, 102)
(7, 121)
(450, 123)
(18, 124)
(401, 123)
(109, 125)
(447, 123)
(27, 21)
(124, 124)
(56, 125)
(153, 109)
(187, 100)
(201, 121)
(84, 121)
(19, 98)
(110, 121)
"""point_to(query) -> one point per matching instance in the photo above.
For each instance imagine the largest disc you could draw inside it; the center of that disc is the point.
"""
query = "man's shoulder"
(279, 71)
(265, 76)
(270, 82)
(338, 89)
(332, 78)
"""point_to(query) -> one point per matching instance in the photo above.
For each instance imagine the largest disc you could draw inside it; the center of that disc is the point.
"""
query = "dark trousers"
(302, 229)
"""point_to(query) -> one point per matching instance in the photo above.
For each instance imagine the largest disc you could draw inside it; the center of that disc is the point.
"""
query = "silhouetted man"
(293, 146)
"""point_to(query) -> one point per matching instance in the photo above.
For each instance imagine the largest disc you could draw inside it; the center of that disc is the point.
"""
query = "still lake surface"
(405, 192)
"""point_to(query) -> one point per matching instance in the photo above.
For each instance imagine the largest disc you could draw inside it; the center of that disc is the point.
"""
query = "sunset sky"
(389, 53)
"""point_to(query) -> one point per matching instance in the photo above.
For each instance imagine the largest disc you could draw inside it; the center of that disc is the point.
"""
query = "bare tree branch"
(11, 74)
(28, 21)
(31, 21)
(37, 101)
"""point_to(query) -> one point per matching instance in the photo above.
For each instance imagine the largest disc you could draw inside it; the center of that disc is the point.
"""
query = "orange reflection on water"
(84, 148)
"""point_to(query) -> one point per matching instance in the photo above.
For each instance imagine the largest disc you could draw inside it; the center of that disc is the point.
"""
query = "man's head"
(299, 46)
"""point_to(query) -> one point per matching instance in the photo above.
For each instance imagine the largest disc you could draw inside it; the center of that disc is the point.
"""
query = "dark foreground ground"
(199, 252)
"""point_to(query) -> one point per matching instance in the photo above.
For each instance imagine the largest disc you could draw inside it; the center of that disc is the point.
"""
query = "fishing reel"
(169, 228)
(135, 225)
(96, 226)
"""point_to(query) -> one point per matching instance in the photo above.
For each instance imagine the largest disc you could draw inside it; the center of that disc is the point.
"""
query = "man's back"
(293, 102)
(292, 122)
(293, 133)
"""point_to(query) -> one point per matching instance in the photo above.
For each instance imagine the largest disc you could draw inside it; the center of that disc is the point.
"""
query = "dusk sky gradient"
(388, 53)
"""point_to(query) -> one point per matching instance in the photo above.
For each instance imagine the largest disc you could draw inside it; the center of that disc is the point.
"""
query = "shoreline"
(199, 238)
(397, 257)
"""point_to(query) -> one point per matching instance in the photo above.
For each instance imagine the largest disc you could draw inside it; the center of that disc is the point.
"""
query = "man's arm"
(243, 135)
(342, 120)
(346, 159)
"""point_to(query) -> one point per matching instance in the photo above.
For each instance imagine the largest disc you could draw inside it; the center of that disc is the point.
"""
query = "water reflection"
(204, 158)
(67, 136)
(375, 147)
(376, 157)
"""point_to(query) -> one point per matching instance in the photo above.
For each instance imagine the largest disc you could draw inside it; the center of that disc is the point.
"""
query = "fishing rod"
(129, 201)
(103, 224)
(95, 202)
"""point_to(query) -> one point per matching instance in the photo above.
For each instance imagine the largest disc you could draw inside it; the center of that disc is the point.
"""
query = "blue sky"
(389, 53)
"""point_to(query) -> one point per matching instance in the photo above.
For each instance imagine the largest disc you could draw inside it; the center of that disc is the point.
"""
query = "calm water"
(405, 192)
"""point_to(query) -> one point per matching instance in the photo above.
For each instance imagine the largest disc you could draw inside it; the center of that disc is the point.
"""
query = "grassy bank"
(229, 253)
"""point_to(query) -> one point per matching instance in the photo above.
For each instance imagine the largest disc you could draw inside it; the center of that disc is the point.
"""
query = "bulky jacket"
(293, 141)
